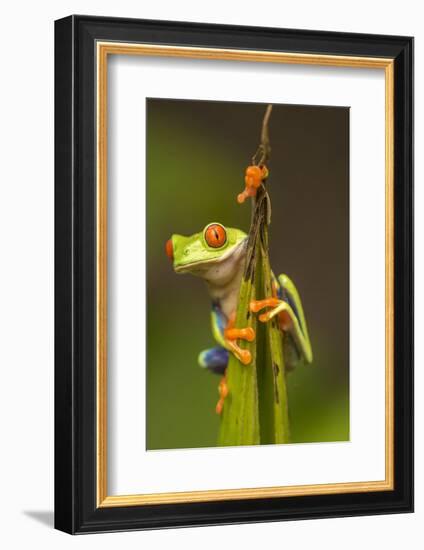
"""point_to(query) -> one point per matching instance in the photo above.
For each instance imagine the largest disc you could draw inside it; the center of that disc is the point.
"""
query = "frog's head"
(213, 254)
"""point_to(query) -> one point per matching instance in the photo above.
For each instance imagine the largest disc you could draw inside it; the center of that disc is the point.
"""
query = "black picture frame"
(76, 509)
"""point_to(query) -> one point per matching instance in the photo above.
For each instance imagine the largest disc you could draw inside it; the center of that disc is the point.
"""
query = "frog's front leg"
(232, 334)
(226, 335)
(288, 306)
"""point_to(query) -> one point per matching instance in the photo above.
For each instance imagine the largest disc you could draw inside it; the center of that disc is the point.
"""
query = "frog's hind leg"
(216, 360)
(227, 335)
(288, 306)
(232, 334)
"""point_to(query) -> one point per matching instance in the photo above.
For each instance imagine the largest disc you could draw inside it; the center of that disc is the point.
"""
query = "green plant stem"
(256, 409)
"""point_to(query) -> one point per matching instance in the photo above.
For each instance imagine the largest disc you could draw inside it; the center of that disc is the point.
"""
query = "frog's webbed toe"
(231, 334)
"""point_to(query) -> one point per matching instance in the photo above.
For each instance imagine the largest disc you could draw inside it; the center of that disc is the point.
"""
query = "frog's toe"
(247, 333)
(257, 305)
(223, 392)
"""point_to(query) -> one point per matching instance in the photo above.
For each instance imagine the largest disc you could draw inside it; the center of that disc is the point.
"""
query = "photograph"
(250, 203)
(211, 266)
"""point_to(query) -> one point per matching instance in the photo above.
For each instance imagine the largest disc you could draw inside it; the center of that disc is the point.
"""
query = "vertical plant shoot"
(256, 408)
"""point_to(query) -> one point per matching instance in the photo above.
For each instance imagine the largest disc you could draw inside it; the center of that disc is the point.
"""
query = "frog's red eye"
(215, 235)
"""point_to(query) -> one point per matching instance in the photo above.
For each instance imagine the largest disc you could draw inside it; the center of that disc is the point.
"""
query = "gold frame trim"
(104, 49)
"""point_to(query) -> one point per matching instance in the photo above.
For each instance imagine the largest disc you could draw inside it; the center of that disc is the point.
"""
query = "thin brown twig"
(264, 149)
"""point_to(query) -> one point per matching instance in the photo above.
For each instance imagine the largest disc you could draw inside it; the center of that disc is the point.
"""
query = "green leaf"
(240, 420)
(256, 409)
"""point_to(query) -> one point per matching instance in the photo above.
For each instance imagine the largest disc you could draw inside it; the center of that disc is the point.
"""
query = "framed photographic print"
(234, 271)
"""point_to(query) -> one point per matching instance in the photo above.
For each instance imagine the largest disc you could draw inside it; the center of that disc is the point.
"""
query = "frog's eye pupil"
(215, 235)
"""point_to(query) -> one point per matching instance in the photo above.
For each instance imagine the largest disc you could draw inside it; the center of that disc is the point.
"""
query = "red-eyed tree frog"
(217, 255)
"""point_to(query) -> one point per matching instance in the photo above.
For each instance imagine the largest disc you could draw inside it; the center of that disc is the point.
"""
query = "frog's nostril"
(169, 249)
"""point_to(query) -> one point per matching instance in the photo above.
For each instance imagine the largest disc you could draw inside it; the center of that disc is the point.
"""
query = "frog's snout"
(169, 249)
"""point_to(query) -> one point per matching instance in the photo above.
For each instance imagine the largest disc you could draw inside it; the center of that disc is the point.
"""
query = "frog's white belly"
(227, 296)
(224, 279)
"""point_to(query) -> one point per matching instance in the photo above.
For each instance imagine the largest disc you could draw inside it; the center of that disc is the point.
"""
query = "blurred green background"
(197, 152)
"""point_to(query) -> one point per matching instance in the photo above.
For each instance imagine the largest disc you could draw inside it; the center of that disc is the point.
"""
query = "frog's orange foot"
(232, 334)
(219, 406)
(253, 180)
(247, 333)
(223, 392)
(277, 307)
(257, 305)
(243, 355)
(248, 192)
